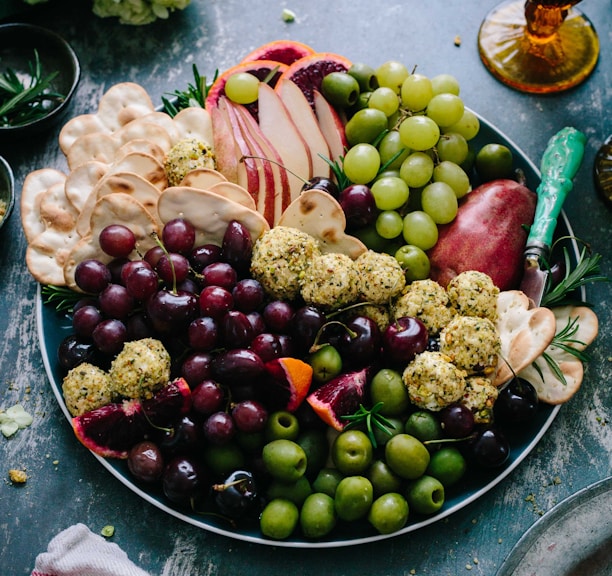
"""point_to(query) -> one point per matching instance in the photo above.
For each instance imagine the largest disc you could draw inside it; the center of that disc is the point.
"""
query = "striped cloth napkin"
(77, 551)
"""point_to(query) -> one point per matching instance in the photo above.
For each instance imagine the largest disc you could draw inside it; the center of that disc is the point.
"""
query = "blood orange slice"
(110, 431)
(308, 72)
(339, 397)
(262, 69)
(292, 376)
(285, 51)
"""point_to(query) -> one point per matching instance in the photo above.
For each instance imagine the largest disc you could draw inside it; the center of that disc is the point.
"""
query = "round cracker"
(47, 255)
(209, 213)
(110, 209)
(119, 183)
(194, 122)
(320, 215)
(34, 185)
(56, 211)
(234, 192)
(202, 178)
(549, 387)
(524, 333)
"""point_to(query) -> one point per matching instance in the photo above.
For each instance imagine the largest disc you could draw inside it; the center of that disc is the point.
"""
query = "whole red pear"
(488, 234)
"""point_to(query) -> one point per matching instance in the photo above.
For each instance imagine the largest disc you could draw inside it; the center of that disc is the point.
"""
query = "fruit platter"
(286, 307)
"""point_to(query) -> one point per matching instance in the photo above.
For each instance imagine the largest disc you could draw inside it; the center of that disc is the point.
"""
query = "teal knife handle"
(560, 163)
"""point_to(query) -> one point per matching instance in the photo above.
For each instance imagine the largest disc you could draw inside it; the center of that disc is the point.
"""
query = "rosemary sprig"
(587, 270)
(372, 419)
(564, 340)
(21, 103)
(194, 96)
(60, 297)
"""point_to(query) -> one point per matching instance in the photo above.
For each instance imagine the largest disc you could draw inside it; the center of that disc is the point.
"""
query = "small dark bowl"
(17, 45)
(7, 189)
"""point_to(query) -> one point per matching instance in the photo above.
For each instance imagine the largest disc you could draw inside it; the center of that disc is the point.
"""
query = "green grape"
(453, 175)
(389, 224)
(384, 99)
(420, 230)
(361, 163)
(371, 238)
(440, 202)
(365, 126)
(494, 161)
(445, 109)
(452, 147)
(414, 261)
(468, 126)
(419, 132)
(242, 88)
(445, 83)
(386, 174)
(390, 145)
(390, 193)
(391, 74)
(417, 169)
(416, 92)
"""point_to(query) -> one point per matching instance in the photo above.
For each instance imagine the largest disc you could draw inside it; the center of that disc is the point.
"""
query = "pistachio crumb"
(17, 476)
(107, 531)
(468, 566)
(288, 15)
(457, 40)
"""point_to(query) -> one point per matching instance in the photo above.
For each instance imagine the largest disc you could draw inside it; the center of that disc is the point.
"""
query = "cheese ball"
(280, 259)
(86, 387)
(187, 155)
(140, 369)
(480, 396)
(473, 293)
(427, 301)
(472, 343)
(380, 277)
(433, 381)
(330, 282)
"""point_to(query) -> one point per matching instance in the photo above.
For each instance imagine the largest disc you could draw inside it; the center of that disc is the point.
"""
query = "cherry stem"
(316, 346)
(226, 485)
(161, 245)
(263, 158)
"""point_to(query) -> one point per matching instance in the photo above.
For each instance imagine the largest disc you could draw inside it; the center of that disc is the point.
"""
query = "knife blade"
(560, 163)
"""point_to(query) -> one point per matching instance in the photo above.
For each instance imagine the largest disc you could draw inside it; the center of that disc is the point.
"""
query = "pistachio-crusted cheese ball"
(480, 395)
(280, 259)
(330, 282)
(427, 301)
(140, 369)
(433, 381)
(472, 343)
(473, 293)
(86, 387)
(381, 277)
(187, 155)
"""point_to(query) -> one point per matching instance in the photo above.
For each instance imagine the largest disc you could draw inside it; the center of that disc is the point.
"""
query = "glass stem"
(543, 21)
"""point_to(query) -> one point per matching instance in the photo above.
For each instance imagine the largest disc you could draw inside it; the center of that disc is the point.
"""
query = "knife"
(560, 163)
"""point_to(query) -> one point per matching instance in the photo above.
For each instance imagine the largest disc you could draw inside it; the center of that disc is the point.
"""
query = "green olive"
(340, 89)
(279, 519)
(365, 76)
(389, 513)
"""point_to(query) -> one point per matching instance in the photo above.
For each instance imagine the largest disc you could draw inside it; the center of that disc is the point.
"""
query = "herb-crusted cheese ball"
(140, 369)
(280, 259)
(427, 301)
(433, 381)
(472, 343)
(86, 387)
(187, 155)
(381, 277)
(330, 282)
(480, 395)
(473, 293)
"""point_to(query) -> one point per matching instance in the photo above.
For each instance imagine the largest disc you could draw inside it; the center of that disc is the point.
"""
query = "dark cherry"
(490, 448)
(457, 421)
(517, 403)
(322, 183)
(73, 351)
(237, 366)
(267, 346)
(146, 462)
(207, 397)
(171, 311)
(197, 367)
(306, 324)
(360, 344)
(183, 478)
(202, 256)
(237, 495)
(181, 437)
(178, 235)
(237, 246)
(236, 329)
(404, 339)
(278, 316)
(358, 206)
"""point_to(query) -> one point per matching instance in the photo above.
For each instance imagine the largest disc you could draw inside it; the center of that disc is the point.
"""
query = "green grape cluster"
(409, 142)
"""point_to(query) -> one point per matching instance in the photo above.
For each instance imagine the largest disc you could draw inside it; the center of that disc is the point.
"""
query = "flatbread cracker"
(209, 212)
(320, 215)
(525, 333)
(34, 186)
(82, 180)
(549, 387)
(118, 183)
(195, 122)
(118, 106)
(110, 209)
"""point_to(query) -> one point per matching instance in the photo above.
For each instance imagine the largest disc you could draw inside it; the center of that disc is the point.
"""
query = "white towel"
(77, 551)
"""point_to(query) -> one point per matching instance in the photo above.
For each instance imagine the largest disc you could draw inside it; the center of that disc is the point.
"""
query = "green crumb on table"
(288, 15)
(107, 531)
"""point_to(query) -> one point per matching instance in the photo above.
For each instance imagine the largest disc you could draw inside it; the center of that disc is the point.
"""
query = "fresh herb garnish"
(586, 271)
(22, 102)
(60, 297)
(193, 97)
(372, 419)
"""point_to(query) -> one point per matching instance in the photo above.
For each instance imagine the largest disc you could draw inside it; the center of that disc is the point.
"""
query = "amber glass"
(538, 46)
